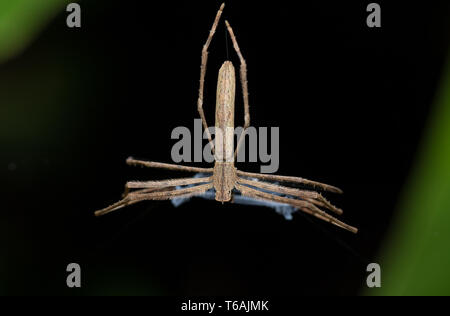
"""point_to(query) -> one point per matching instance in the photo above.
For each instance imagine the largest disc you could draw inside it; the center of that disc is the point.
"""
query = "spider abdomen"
(224, 128)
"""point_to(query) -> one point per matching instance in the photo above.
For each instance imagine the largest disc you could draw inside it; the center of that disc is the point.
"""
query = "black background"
(351, 103)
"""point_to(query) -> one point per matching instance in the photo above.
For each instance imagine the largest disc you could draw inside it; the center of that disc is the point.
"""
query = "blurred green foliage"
(21, 21)
(416, 260)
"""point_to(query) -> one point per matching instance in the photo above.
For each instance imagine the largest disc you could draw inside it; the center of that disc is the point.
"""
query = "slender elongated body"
(225, 180)
(226, 88)
(225, 177)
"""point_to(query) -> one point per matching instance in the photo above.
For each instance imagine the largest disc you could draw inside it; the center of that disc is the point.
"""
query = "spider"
(224, 177)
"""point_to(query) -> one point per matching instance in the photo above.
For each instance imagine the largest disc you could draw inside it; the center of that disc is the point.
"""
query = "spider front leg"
(203, 73)
(244, 85)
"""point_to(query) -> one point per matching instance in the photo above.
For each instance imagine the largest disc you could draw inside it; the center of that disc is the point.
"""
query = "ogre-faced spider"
(225, 177)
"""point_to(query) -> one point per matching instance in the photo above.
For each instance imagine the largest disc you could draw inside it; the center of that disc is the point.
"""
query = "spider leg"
(310, 196)
(305, 206)
(271, 177)
(151, 186)
(133, 198)
(203, 73)
(152, 164)
(166, 183)
(244, 85)
(146, 190)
